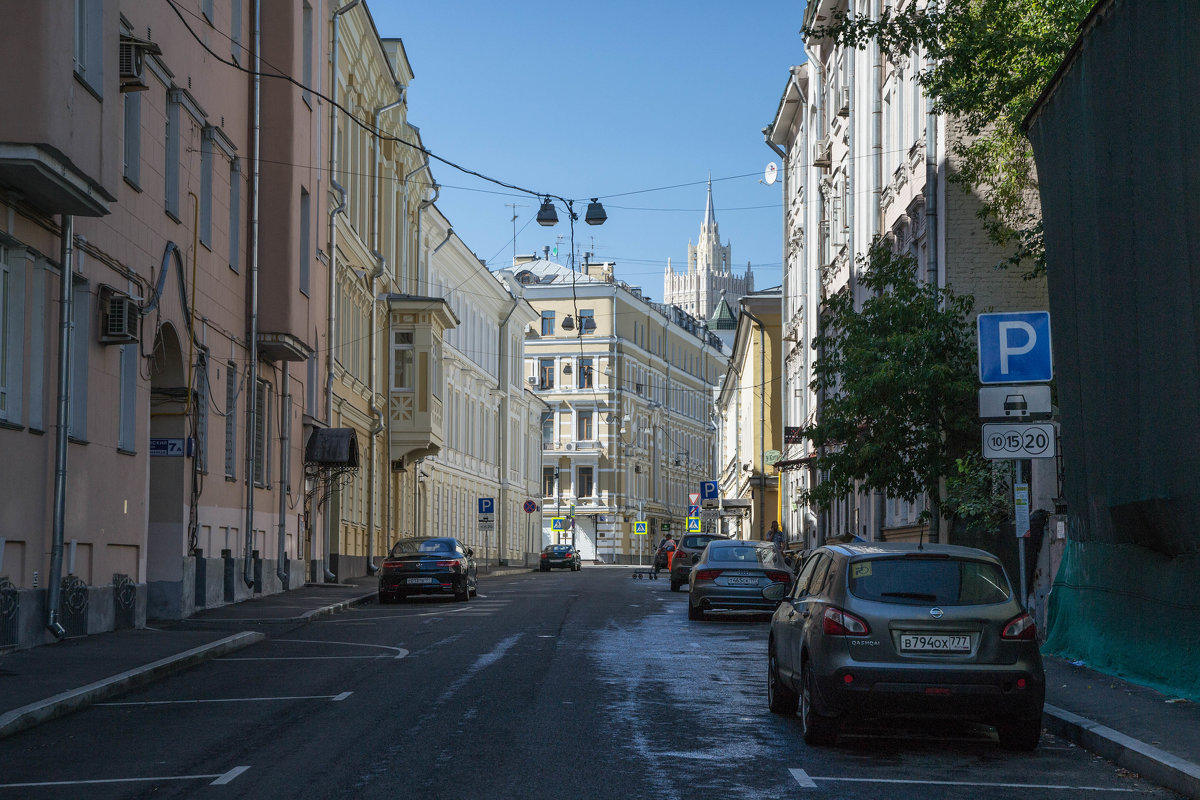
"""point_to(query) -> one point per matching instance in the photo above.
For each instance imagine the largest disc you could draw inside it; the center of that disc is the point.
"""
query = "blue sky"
(603, 99)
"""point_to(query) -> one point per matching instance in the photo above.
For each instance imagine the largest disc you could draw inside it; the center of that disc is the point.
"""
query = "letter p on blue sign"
(1014, 347)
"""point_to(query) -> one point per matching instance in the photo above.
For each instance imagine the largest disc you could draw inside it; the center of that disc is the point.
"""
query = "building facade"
(627, 433)
(709, 271)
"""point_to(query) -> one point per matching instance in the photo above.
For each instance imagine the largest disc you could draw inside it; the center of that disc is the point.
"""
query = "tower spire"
(710, 217)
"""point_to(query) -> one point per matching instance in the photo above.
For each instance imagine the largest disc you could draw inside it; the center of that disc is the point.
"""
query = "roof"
(710, 216)
(544, 273)
(723, 318)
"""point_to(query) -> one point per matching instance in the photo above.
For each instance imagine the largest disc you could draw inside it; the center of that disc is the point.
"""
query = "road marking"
(485, 660)
(399, 651)
(807, 781)
(221, 778)
(332, 697)
(228, 776)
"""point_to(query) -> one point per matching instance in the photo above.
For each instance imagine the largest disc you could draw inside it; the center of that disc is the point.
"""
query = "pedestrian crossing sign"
(693, 524)
(558, 523)
(639, 527)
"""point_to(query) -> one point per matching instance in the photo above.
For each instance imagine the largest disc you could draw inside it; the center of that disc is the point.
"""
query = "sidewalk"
(1136, 727)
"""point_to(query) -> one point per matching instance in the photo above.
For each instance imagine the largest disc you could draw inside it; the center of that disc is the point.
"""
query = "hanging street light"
(546, 215)
(595, 213)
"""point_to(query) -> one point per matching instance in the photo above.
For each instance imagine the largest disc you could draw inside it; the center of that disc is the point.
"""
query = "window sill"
(126, 452)
(133, 184)
(13, 426)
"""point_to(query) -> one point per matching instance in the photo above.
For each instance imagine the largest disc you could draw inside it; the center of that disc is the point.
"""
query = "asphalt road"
(563, 685)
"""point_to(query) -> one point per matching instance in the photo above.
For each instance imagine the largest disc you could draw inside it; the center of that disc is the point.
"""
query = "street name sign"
(171, 447)
(1014, 402)
(1014, 347)
(1003, 440)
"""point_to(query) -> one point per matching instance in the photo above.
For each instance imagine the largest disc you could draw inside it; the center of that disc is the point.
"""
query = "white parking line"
(807, 781)
(220, 779)
(331, 697)
(399, 651)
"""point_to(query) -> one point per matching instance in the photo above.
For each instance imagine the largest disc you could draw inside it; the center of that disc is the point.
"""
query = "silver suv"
(896, 629)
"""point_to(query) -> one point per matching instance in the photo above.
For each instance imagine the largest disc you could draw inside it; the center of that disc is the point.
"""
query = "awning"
(332, 447)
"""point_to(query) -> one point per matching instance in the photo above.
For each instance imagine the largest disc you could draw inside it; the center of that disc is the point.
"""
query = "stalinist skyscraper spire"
(709, 271)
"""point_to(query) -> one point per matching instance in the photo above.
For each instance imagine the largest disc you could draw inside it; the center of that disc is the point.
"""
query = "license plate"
(935, 643)
(418, 580)
(735, 581)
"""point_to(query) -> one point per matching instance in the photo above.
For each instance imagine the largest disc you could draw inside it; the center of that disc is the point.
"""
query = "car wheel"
(695, 612)
(780, 699)
(818, 730)
(475, 588)
(675, 586)
(1020, 734)
(465, 594)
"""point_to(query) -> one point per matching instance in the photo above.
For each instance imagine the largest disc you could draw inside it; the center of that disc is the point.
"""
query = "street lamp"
(547, 216)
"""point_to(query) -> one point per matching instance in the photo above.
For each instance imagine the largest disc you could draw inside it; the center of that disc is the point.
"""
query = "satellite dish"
(770, 173)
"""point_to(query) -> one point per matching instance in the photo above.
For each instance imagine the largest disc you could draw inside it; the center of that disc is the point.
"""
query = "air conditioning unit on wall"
(119, 317)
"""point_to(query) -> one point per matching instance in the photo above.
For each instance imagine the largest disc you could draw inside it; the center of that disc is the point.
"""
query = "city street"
(558, 685)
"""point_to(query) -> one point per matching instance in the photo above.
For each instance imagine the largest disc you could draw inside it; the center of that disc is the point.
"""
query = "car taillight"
(778, 576)
(681, 553)
(393, 564)
(843, 623)
(447, 563)
(1020, 628)
(707, 574)
(545, 555)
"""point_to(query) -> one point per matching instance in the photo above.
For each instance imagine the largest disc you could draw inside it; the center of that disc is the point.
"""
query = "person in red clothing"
(662, 556)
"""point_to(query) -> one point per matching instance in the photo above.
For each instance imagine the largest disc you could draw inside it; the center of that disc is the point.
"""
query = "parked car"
(731, 575)
(686, 554)
(428, 565)
(561, 555)
(897, 629)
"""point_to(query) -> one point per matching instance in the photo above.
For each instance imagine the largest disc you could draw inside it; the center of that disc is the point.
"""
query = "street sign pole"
(1017, 521)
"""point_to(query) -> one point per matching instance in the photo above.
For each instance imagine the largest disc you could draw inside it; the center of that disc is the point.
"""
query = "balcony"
(416, 327)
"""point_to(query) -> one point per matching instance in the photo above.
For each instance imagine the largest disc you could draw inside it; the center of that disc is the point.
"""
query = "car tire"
(1020, 734)
(818, 729)
(695, 612)
(675, 585)
(474, 591)
(781, 699)
(464, 595)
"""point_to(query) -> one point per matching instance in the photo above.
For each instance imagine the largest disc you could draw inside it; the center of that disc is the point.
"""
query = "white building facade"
(709, 272)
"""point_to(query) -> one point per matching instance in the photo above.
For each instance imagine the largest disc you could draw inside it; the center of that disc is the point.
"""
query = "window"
(585, 432)
(206, 6)
(585, 373)
(235, 31)
(80, 334)
(235, 215)
(545, 373)
(202, 413)
(171, 157)
(132, 168)
(587, 320)
(547, 323)
(231, 395)
(307, 55)
(262, 432)
(89, 55)
(10, 326)
(402, 361)
(585, 486)
(127, 422)
(206, 186)
(435, 363)
(305, 235)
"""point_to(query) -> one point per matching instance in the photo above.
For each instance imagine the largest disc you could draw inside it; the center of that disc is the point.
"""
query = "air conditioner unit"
(844, 108)
(131, 62)
(566, 369)
(821, 156)
(531, 380)
(570, 445)
(119, 317)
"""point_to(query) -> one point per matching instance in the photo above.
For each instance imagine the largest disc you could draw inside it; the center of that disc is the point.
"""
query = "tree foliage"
(896, 382)
(989, 61)
(979, 492)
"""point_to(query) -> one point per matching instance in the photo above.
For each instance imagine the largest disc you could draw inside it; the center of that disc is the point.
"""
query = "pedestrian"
(663, 554)
(778, 538)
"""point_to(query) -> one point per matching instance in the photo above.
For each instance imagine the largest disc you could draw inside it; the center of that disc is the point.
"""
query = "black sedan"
(428, 565)
(560, 555)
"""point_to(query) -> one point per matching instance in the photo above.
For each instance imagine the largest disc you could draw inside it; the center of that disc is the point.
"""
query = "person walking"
(663, 554)
(778, 538)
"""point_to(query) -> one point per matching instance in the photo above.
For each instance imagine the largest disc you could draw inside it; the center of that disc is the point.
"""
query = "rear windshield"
(941, 581)
(745, 553)
(559, 548)
(697, 542)
(411, 546)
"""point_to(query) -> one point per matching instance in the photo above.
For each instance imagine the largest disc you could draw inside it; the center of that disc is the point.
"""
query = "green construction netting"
(1131, 612)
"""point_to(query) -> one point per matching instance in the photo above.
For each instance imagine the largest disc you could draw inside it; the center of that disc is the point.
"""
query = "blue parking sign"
(709, 490)
(1014, 347)
(487, 505)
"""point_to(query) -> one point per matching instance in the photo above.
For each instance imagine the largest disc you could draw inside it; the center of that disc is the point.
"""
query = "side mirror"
(470, 552)
(776, 591)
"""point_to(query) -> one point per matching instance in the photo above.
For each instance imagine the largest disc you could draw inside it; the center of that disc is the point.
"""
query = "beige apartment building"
(627, 433)
(153, 437)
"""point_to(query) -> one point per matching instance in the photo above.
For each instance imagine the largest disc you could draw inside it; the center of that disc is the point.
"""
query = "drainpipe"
(65, 324)
(785, 416)
(285, 447)
(501, 450)
(410, 285)
(424, 204)
(331, 329)
(762, 420)
(252, 405)
(931, 238)
(380, 264)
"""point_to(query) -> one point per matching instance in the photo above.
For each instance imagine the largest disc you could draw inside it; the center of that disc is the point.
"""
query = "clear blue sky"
(603, 99)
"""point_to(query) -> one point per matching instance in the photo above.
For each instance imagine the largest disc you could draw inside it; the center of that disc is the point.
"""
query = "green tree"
(989, 61)
(896, 382)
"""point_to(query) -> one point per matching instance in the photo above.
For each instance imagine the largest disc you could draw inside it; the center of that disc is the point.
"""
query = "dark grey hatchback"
(899, 630)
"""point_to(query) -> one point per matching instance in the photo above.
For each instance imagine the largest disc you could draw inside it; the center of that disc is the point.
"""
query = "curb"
(60, 705)
(332, 609)
(1152, 763)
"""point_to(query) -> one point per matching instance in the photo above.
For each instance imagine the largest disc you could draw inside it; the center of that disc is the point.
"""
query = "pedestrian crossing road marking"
(807, 781)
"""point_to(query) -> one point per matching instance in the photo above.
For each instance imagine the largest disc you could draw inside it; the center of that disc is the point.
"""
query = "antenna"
(514, 207)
